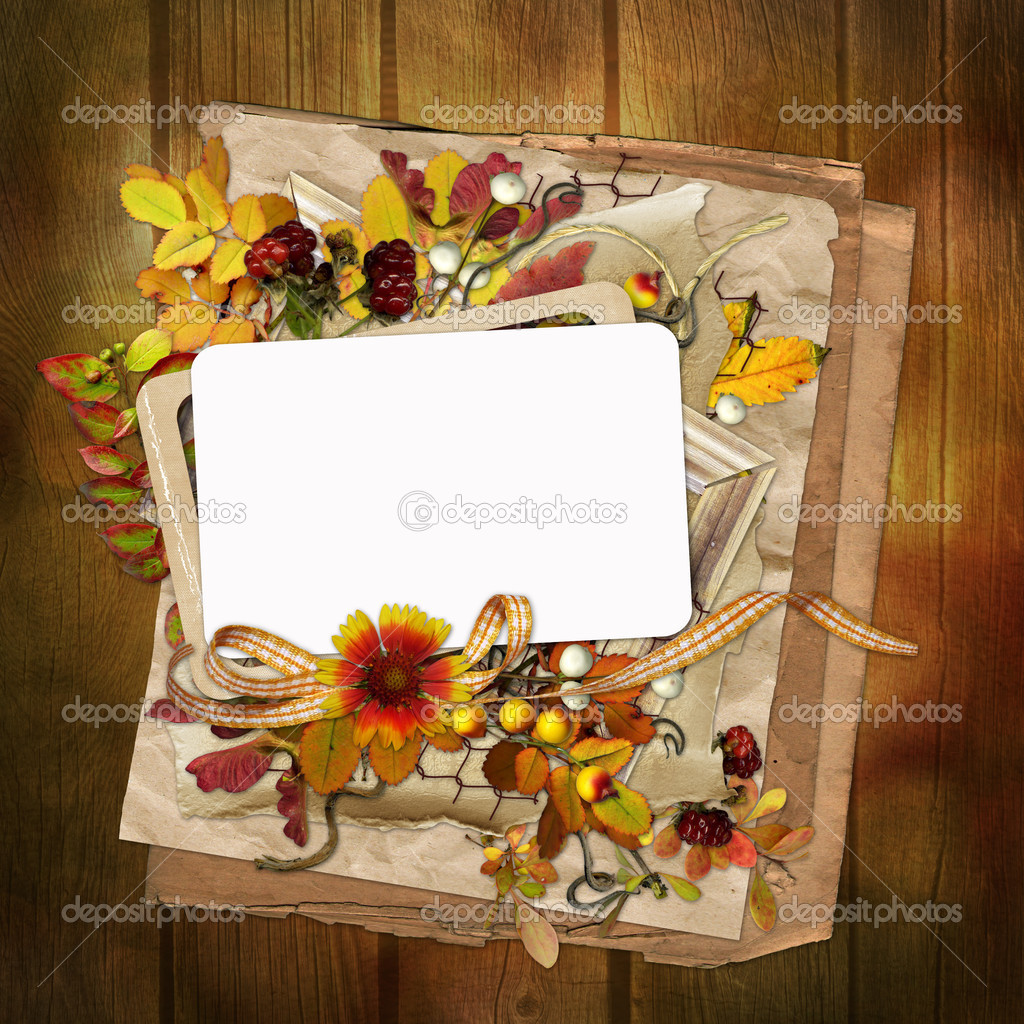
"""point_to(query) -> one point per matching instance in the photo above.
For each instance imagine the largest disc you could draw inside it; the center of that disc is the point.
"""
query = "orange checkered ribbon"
(296, 696)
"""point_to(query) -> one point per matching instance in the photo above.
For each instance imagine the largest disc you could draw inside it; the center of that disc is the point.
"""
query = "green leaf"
(531, 890)
(96, 421)
(563, 793)
(172, 627)
(127, 423)
(772, 801)
(327, 754)
(146, 565)
(683, 888)
(126, 539)
(503, 878)
(609, 922)
(173, 363)
(147, 349)
(70, 376)
(189, 449)
(111, 491)
(627, 812)
(612, 755)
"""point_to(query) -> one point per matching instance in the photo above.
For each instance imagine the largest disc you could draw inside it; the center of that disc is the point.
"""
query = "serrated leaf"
(108, 461)
(548, 273)
(682, 887)
(563, 794)
(152, 202)
(111, 491)
(327, 754)
(538, 936)
(173, 363)
(147, 565)
(741, 851)
(127, 422)
(233, 330)
(235, 769)
(762, 904)
(499, 765)
(447, 740)
(147, 349)
(245, 293)
(292, 805)
(143, 171)
(248, 220)
(609, 665)
(531, 770)
(393, 765)
(215, 162)
(277, 209)
(628, 723)
(439, 175)
(95, 420)
(126, 539)
(697, 863)
(69, 375)
(739, 315)
(766, 372)
(627, 812)
(211, 209)
(209, 290)
(551, 831)
(228, 261)
(186, 244)
(770, 802)
(162, 285)
(190, 324)
(612, 755)
(173, 631)
(384, 213)
(796, 839)
(667, 842)
(557, 208)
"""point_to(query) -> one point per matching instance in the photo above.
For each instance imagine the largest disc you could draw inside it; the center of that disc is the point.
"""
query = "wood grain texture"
(928, 819)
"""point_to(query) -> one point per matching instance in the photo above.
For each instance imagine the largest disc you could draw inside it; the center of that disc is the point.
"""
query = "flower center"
(393, 679)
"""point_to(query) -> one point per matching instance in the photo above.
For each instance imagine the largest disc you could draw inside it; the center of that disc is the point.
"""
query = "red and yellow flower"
(392, 681)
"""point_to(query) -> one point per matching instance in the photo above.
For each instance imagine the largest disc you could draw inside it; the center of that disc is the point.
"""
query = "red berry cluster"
(742, 756)
(705, 828)
(288, 247)
(391, 268)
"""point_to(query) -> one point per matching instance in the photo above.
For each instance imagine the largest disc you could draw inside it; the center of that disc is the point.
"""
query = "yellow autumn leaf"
(211, 209)
(215, 162)
(184, 245)
(739, 315)
(248, 220)
(190, 324)
(143, 171)
(162, 285)
(277, 209)
(179, 185)
(228, 261)
(232, 330)
(765, 372)
(440, 175)
(152, 202)
(384, 212)
(245, 293)
(349, 230)
(147, 349)
(209, 290)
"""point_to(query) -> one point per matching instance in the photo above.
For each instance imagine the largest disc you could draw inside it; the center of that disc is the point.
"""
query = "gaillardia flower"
(389, 680)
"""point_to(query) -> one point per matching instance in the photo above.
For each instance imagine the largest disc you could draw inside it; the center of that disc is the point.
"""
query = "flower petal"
(343, 701)
(448, 667)
(447, 689)
(337, 672)
(366, 723)
(396, 725)
(358, 641)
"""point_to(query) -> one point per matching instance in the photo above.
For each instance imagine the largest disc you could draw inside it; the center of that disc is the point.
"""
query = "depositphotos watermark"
(865, 912)
(863, 511)
(419, 510)
(862, 710)
(878, 314)
(160, 711)
(457, 914)
(874, 114)
(468, 316)
(507, 112)
(160, 513)
(147, 112)
(150, 913)
(77, 312)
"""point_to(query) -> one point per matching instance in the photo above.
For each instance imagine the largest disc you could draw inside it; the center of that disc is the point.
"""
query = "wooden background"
(935, 813)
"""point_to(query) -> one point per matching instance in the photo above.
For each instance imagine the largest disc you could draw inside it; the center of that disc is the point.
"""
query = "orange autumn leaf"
(179, 185)
(162, 285)
(209, 290)
(609, 665)
(762, 904)
(719, 857)
(697, 863)
(190, 323)
(766, 836)
(327, 754)
(667, 843)
(531, 768)
(626, 722)
(248, 220)
(152, 202)
(611, 755)
(393, 765)
(447, 740)
(796, 839)
(232, 331)
(772, 801)
(143, 171)
(741, 851)
(245, 293)
(563, 794)
(184, 245)
(215, 162)
(211, 209)
(277, 209)
(767, 371)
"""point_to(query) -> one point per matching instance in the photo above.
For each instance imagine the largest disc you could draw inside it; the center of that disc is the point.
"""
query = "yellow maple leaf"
(440, 174)
(763, 373)
(215, 162)
(162, 285)
(211, 209)
(143, 171)
(184, 245)
(277, 209)
(384, 213)
(152, 202)
(248, 220)
(232, 330)
(228, 261)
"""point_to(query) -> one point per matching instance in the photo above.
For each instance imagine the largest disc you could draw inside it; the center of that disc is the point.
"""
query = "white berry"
(574, 702)
(576, 661)
(668, 686)
(469, 270)
(730, 409)
(507, 188)
(445, 257)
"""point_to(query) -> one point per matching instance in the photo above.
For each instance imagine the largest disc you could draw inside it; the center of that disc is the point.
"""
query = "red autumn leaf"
(127, 423)
(563, 794)
(111, 491)
(557, 210)
(697, 863)
(531, 770)
(169, 364)
(164, 710)
(109, 461)
(95, 420)
(628, 723)
(471, 190)
(393, 765)
(514, 835)
(501, 223)
(126, 539)
(551, 831)
(225, 732)
(140, 476)
(236, 768)
(172, 627)
(612, 755)
(667, 842)
(499, 765)
(71, 374)
(292, 804)
(418, 197)
(148, 565)
(498, 163)
(328, 754)
(741, 851)
(542, 871)
(547, 273)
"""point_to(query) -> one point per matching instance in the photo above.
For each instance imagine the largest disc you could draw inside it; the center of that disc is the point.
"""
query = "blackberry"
(705, 828)
(742, 755)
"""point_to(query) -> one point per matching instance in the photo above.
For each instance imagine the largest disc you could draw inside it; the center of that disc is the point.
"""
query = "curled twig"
(676, 736)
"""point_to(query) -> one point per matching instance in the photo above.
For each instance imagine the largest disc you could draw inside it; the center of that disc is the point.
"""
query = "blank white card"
(440, 469)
